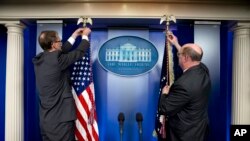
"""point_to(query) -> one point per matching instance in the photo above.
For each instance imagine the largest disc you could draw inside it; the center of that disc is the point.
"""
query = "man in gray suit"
(185, 102)
(57, 106)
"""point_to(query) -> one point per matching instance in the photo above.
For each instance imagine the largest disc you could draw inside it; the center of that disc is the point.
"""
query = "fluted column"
(241, 75)
(14, 106)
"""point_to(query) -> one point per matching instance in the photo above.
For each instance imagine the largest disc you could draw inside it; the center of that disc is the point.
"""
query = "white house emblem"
(128, 55)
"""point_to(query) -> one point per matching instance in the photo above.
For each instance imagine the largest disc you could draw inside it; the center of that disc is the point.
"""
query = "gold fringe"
(171, 64)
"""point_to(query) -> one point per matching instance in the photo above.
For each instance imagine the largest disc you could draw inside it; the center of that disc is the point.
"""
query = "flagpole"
(169, 66)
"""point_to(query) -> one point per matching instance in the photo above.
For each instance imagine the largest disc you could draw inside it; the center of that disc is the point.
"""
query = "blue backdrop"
(31, 117)
(130, 95)
(116, 94)
(3, 49)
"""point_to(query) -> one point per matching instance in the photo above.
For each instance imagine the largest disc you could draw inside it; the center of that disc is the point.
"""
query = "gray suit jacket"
(53, 82)
(186, 105)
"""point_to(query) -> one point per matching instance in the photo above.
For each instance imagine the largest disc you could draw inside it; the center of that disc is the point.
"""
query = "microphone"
(139, 119)
(121, 119)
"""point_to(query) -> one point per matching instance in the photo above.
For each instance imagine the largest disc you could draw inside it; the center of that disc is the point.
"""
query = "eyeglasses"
(179, 53)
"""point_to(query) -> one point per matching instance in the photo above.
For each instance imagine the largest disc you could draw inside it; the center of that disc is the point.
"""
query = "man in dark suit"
(57, 106)
(185, 102)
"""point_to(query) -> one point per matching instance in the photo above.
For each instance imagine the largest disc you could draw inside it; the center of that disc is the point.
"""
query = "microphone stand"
(121, 119)
(139, 119)
(121, 131)
(140, 131)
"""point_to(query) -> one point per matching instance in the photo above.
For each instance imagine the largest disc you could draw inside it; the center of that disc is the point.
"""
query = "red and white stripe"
(85, 131)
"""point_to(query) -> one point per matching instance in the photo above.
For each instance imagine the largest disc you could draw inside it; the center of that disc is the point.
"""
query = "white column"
(241, 75)
(14, 107)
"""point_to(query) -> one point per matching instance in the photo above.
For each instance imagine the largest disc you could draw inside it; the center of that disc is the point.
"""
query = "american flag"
(167, 77)
(84, 95)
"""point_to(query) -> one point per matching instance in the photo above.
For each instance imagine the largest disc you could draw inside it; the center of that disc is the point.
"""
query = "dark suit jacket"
(186, 105)
(53, 83)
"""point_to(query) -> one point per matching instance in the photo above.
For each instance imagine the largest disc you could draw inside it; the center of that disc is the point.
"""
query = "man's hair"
(46, 38)
(195, 56)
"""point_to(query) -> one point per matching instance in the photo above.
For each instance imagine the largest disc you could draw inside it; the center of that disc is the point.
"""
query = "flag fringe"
(171, 64)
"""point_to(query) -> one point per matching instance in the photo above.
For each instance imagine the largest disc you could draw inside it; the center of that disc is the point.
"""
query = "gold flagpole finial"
(84, 20)
(167, 19)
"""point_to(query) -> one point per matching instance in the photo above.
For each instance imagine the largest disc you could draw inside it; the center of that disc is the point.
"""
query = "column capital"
(241, 25)
(10, 22)
(14, 27)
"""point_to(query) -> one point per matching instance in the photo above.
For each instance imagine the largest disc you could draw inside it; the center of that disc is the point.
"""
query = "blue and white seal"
(128, 55)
